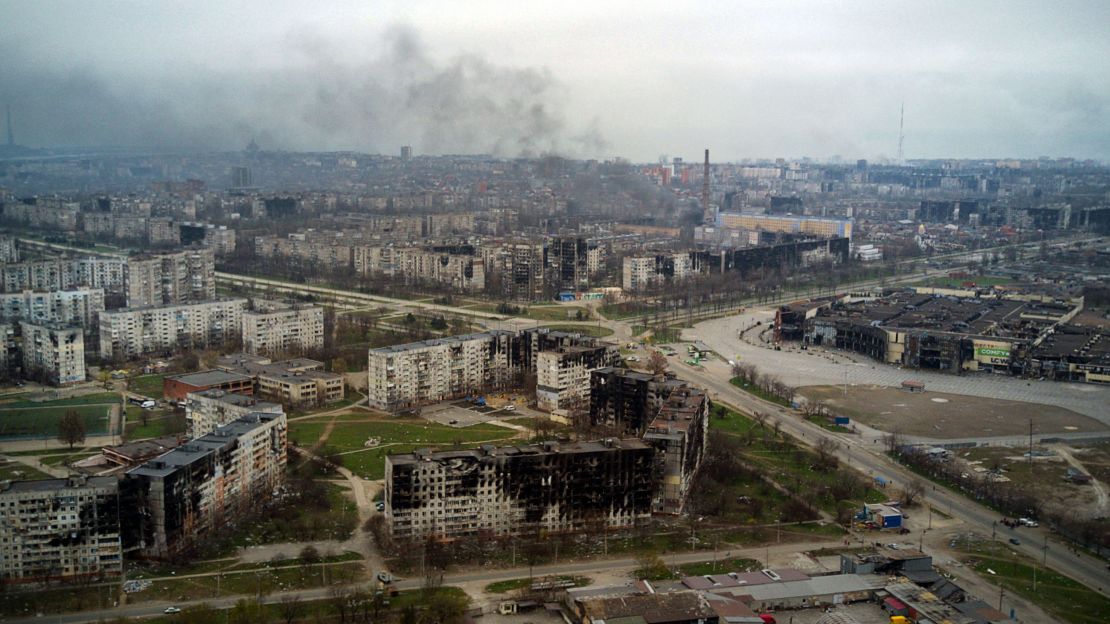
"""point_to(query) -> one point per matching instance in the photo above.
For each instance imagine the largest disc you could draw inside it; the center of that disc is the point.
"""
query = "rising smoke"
(325, 102)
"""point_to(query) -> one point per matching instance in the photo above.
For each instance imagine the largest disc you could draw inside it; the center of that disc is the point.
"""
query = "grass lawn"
(16, 471)
(557, 313)
(159, 423)
(147, 385)
(397, 436)
(264, 580)
(1055, 593)
(585, 330)
(41, 419)
(755, 390)
(51, 601)
(100, 398)
(59, 460)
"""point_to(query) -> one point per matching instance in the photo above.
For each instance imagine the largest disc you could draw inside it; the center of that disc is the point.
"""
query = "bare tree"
(657, 363)
(71, 428)
(913, 491)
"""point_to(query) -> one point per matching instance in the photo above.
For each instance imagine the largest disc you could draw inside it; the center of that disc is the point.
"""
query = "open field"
(941, 415)
(351, 431)
(41, 420)
(1044, 476)
(147, 385)
(17, 471)
(585, 330)
(997, 563)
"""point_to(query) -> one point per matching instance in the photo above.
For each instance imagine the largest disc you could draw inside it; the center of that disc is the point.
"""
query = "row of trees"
(769, 384)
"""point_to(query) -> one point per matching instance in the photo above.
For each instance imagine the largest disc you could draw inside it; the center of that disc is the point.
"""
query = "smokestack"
(11, 135)
(707, 213)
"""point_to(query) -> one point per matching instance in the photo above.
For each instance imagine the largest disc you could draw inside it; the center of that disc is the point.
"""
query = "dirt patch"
(941, 415)
(1044, 475)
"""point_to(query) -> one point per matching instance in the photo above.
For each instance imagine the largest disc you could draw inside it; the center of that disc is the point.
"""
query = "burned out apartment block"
(667, 413)
(184, 498)
(520, 490)
(208, 410)
(59, 529)
(402, 376)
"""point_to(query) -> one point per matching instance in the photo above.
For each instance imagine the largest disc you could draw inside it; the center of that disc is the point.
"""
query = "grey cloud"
(467, 105)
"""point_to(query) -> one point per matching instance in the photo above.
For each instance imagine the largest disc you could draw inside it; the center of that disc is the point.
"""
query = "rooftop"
(49, 485)
(489, 450)
(209, 378)
(437, 342)
(195, 450)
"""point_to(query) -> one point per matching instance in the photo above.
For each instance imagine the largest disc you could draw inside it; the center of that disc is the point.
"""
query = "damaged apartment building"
(928, 330)
(407, 375)
(667, 413)
(520, 490)
(184, 498)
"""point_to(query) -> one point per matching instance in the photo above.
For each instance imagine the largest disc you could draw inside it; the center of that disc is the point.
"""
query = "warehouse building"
(177, 387)
(190, 495)
(59, 529)
(519, 490)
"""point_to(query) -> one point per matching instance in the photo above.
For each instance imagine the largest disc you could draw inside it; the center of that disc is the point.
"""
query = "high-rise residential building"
(434, 370)
(568, 258)
(680, 431)
(208, 410)
(406, 152)
(132, 332)
(640, 272)
(192, 494)
(519, 490)
(275, 329)
(563, 375)
(54, 529)
(241, 178)
(53, 353)
(187, 276)
(79, 307)
(219, 238)
(9, 250)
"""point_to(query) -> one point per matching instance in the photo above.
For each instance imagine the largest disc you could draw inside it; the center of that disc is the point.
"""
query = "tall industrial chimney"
(706, 211)
(11, 135)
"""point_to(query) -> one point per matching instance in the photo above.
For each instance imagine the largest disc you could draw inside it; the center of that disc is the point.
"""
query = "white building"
(642, 271)
(439, 369)
(53, 353)
(187, 276)
(132, 332)
(277, 329)
(80, 307)
(563, 376)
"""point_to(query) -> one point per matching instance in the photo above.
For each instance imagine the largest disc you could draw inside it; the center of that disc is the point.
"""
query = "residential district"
(523, 390)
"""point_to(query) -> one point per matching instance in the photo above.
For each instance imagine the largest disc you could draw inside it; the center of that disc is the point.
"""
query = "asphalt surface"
(869, 458)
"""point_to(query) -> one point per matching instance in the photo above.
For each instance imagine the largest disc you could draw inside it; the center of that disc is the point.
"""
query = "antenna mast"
(901, 133)
(707, 215)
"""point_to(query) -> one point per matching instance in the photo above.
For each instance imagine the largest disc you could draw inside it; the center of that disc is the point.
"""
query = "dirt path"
(1103, 500)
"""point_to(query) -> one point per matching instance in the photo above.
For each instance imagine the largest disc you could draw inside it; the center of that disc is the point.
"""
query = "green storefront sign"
(992, 352)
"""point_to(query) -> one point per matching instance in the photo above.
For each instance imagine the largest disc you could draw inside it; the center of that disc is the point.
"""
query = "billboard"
(992, 352)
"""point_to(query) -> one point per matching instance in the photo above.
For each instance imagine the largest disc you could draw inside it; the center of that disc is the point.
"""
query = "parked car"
(1015, 541)
(171, 610)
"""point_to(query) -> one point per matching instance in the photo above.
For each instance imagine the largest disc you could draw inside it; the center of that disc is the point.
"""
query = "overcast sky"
(590, 79)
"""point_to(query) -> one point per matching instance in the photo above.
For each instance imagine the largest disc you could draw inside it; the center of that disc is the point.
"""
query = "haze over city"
(595, 80)
(433, 312)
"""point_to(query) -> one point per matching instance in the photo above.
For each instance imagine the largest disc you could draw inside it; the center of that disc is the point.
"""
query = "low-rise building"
(195, 492)
(177, 387)
(299, 382)
(55, 529)
(53, 353)
(207, 410)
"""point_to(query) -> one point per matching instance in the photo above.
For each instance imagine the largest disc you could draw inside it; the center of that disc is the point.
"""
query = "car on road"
(1028, 522)
(171, 610)
(385, 577)
(453, 422)
(1015, 541)
(510, 408)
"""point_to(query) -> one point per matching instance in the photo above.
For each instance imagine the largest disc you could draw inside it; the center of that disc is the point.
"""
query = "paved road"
(868, 457)
(809, 368)
(481, 576)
